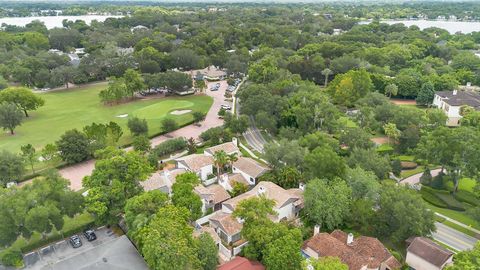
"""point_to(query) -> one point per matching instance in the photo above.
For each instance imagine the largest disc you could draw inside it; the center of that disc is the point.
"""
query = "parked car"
(225, 107)
(75, 241)
(90, 235)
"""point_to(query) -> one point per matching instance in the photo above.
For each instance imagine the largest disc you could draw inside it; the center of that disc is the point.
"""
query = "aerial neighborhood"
(240, 135)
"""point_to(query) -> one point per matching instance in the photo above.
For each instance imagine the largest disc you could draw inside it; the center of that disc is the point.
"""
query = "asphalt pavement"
(453, 238)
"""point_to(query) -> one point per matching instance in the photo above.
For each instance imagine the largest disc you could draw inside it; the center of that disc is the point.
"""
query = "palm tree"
(232, 158)
(326, 72)
(221, 159)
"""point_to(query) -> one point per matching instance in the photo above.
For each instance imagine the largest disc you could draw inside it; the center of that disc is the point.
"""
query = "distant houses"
(451, 103)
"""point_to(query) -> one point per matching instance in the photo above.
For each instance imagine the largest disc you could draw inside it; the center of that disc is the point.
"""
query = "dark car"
(90, 235)
(75, 241)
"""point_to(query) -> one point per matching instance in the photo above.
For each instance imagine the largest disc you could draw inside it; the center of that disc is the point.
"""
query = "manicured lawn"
(457, 215)
(467, 184)
(408, 173)
(75, 108)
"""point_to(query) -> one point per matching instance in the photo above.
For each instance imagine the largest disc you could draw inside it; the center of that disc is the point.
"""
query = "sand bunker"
(180, 112)
(122, 115)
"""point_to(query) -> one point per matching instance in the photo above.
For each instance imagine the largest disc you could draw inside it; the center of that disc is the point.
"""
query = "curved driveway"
(77, 172)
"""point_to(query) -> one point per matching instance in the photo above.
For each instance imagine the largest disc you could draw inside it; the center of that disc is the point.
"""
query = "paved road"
(453, 238)
(415, 179)
(77, 172)
(254, 138)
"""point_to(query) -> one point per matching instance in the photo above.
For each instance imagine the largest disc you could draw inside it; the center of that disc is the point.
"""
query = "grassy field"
(76, 108)
(456, 215)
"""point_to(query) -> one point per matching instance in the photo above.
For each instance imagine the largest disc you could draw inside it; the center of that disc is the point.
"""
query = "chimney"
(455, 92)
(261, 190)
(302, 186)
(350, 239)
(316, 229)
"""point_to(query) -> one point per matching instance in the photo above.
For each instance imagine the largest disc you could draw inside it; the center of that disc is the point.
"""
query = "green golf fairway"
(76, 108)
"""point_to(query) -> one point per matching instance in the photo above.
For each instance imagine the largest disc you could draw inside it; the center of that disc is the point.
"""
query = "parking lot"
(61, 250)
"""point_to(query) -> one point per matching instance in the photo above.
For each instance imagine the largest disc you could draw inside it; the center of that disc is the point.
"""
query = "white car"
(226, 107)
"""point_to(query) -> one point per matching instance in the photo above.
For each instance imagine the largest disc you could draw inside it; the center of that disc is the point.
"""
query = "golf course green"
(76, 108)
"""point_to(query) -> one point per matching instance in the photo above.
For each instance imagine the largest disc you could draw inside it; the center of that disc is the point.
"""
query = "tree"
(356, 138)
(238, 188)
(140, 209)
(347, 88)
(466, 260)
(63, 75)
(184, 195)
(391, 131)
(397, 167)
(141, 144)
(426, 94)
(137, 126)
(169, 125)
(325, 263)
(327, 205)
(43, 218)
(364, 184)
(10, 116)
(28, 153)
(115, 92)
(73, 146)
(282, 253)
(11, 167)
(370, 160)
(254, 209)
(326, 72)
(207, 252)
(22, 97)
(284, 153)
(169, 227)
(236, 125)
(115, 179)
(198, 117)
(391, 90)
(133, 82)
(49, 152)
(402, 213)
(324, 163)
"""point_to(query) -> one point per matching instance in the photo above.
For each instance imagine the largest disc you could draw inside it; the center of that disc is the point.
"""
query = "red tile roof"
(240, 263)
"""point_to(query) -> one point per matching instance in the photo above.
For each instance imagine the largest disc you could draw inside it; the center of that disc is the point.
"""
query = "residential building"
(241, 263)
(361, 253)
(451, 102)
(229, 148)
(162, 180)
(227, 181)
(249, 168)
(212, 196)
(424, 254)
(200, 164)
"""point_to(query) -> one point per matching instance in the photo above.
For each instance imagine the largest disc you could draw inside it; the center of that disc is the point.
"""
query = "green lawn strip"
(467, 184)
(408, 173)
(456, 215)
(405, 158)
(76, 108)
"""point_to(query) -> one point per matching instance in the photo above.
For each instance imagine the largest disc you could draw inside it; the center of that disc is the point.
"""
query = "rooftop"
(460, 98)
(161, 180)
(429, 251)
(214, 193)
(196, 161)
(226, 222)
(228, 147)
(363, 251)
(250, 166)
(240, 263)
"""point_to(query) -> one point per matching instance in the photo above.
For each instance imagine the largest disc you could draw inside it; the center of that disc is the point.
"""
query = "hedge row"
(441, 198)
(431, 198)
(467, 197)
(170, 146)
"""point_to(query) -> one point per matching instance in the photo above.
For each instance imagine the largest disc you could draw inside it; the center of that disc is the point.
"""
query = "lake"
(54, 21)
(451, 26)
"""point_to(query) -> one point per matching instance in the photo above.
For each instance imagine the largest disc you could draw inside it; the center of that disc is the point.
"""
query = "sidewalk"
(458, 223)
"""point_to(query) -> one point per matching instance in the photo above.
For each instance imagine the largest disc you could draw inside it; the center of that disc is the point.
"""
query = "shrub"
(467, 197)
(409, 165)
(170, 146)
(12, 257)
(426, 178)
(450, 201)
(137, 126)
(437, 181)
(429, 196)
(168, 124)
(397, 167)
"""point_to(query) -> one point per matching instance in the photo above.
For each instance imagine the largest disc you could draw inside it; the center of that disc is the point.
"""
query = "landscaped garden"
(76, 108)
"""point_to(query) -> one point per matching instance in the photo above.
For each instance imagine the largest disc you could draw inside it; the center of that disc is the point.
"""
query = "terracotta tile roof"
(250, 166)
(227, 223)
(240, 263)
(269, 190)
(228, 147)
(363, 251)
(215, 193)
(210, 231)
(429, 251)
(237, 177)
(196, 161)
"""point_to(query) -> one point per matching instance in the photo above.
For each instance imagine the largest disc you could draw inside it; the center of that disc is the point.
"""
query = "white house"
(212, 196)
(228, 147)
(451, 102)
(249, 168)
(424, 254)
(200, 164)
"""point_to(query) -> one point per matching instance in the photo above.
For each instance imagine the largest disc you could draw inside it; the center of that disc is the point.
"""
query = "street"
(453, 238)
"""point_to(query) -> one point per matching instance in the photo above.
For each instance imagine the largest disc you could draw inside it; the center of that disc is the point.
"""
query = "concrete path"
(453, 238)
(77, 172)
(415, 179)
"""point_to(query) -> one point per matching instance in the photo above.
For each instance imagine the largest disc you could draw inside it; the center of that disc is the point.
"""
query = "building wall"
(452, 112)
(418, 263)
(205, 171)
(249, 178)
(285, 212)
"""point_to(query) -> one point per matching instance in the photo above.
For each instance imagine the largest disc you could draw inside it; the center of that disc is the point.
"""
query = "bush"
(397, 167)
(430, 197)
(450, 201)
(137, 126)
(437, 181)
(409, 165)
(467, 197)
(170, 146)
(12, 257)
(169, 125)
(426, 178)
